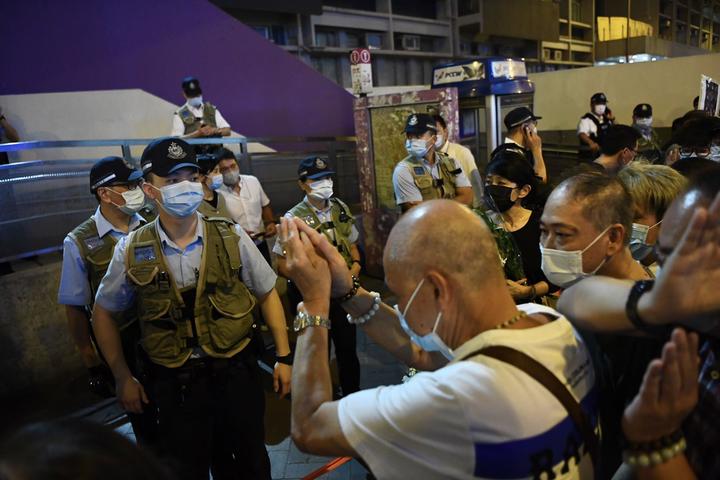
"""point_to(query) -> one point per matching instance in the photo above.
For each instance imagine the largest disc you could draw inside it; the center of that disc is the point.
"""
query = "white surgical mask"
(322, 189)
(181, 199)
(599, 109)
(195, 101)
(216, 181)
(416, 147)
(134, 200)
(430, 342)
(231, 177)
(644, 122)
(563, 268)
(439, 142)
(638, 240)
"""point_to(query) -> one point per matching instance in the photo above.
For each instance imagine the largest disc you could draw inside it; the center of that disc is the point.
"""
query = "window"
(326, 39)
(374, 40)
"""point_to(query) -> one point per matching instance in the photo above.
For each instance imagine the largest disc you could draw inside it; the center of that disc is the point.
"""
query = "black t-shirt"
(528, 241)
(214, 200)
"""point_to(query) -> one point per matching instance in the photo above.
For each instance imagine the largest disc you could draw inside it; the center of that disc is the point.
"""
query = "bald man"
(468, 414)
(684, 293)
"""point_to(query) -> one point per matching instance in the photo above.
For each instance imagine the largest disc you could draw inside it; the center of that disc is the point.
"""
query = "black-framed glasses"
(702, 152)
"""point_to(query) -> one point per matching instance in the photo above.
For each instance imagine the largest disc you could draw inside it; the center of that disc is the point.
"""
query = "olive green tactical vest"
(221, 210)
(431, 188)
(342, 222)
(191, 123)
(219, 322)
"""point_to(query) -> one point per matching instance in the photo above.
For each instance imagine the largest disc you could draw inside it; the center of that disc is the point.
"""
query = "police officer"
(197, 118)
(213, 204)
(649, 143)
(331, 216)
(196, 281)
(522, 136)
(87, 251)
(593, 125)
(426, 174)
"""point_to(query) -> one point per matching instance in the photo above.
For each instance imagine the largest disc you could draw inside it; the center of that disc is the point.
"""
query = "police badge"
(176, 152)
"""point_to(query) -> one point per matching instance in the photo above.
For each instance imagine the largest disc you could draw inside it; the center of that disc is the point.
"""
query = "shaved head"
(445, 236)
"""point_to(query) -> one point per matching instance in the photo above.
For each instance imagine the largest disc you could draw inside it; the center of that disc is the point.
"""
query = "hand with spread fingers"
(668, 393)
(686, 286)
(341, 277)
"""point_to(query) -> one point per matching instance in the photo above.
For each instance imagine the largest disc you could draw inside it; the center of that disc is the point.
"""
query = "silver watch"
(303, 320)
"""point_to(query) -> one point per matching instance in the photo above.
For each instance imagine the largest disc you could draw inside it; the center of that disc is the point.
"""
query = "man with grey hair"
(472, 412)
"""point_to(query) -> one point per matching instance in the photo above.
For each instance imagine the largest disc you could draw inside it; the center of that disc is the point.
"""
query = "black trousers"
(210, 417)
(343, 335)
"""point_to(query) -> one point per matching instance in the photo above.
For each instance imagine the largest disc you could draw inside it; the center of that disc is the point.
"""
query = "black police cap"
(644, 110)
(314, 168)
(419, 123)
(191, 87)
(598, 98)
(112, 171)
(518, 116)
(167, 155)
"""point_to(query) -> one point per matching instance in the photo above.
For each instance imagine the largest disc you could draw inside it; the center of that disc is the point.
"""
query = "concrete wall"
(561, 98)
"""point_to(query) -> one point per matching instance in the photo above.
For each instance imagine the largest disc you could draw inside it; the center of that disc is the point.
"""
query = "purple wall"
(261, 90)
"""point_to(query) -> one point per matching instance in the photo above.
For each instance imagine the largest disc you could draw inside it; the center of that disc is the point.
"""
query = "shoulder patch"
(92, 243)
(419, 170)
(145, 253)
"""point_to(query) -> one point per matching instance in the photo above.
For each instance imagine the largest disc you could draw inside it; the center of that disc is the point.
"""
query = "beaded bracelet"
(655, 453)
(370, 313)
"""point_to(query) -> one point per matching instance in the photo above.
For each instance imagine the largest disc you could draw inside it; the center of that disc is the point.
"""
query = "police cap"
(644, 110)
(314, 168)
(112, 171)
(598, 98)
(191, 87)
(167, 155)
(518, 116)
(419, 123)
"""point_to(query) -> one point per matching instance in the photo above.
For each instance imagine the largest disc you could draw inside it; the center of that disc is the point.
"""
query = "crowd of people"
(559, 327)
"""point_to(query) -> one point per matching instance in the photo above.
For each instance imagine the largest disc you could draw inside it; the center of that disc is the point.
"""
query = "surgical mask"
(439, 142)
(498, 197)
(216, 181)
(181, 199)
(430, 342)
(231, 177)
(321, 189)
(638, 241)
(599, 109)
(565, 268)
(644, 122)
(714, 153)
(195, 101)
(134, 200)
(416, 147)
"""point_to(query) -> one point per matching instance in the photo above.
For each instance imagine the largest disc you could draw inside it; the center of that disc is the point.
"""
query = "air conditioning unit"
(557, 54)
(410, 42)
(547, 54)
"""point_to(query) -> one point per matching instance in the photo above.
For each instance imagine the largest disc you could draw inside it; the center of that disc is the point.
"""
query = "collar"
(104, 226)
(510, 140)
(446, 147)
(200, 109)
(322, 210)
(166, 240)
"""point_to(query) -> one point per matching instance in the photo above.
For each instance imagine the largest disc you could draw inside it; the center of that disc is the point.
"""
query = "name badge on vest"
(93, 243)
(419, 170)
(145, 253)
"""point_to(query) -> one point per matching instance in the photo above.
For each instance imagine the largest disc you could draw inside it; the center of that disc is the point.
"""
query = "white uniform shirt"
(465, 158)
(246, 207)
(405, 189)
(178, 127)
(480, 418)
(587, 126)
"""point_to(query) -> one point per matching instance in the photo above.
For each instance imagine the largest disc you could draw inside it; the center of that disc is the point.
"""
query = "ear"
(104, 195)
(150, 191)
(524, 191)
(616, 234)
(441, 288)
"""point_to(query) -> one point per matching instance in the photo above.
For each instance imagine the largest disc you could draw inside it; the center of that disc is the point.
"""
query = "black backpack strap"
(548, 380)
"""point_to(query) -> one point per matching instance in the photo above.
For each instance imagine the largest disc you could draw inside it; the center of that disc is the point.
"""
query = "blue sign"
(484, 76)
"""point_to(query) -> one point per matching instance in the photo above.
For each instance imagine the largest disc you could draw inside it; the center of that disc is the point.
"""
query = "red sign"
(360, 55)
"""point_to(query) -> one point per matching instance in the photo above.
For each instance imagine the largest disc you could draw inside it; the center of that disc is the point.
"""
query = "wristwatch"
(303, 320)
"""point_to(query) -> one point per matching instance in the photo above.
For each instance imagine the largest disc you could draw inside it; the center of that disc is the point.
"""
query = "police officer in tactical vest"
(87, 251)
(593, 125)
(195, 280)
(197, 118)
(331, 216)
(426, 174)
(213, 204)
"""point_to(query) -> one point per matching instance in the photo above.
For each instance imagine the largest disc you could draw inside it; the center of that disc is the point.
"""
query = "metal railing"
(42, 200)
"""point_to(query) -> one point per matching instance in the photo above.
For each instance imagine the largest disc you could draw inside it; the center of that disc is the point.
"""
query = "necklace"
(513, 320)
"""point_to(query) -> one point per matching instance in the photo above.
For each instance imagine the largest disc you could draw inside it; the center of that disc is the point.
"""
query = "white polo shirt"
(465, 158)
(246, 207)
(178, 127)
(480, 418)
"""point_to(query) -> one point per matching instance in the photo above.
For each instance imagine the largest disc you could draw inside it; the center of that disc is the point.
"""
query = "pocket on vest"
(423, 182)
(232, 316)
(159, 329)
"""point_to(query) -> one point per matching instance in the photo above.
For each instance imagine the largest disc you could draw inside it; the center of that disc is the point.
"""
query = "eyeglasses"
(701, 152)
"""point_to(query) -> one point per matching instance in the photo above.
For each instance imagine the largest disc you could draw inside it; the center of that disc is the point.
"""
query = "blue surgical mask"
(195, 101)
(416, 147)
(638, 241)
(181, 199)
(216, 181)
(430, 342)
(714, 153)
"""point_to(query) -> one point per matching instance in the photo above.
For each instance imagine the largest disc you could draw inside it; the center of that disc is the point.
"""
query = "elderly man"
(685, 293)
(474, 412)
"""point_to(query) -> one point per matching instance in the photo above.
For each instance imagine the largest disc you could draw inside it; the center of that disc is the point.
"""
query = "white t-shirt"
(246, 207)
(587, 126)
(480, 418)
(178, 127)
(465, 158)
(404, 185)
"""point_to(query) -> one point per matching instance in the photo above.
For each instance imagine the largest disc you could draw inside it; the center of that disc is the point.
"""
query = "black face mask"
(497, 197)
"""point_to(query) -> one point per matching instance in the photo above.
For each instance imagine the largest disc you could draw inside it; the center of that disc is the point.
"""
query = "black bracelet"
(353, 291)
(286, 359)
(638, 289)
